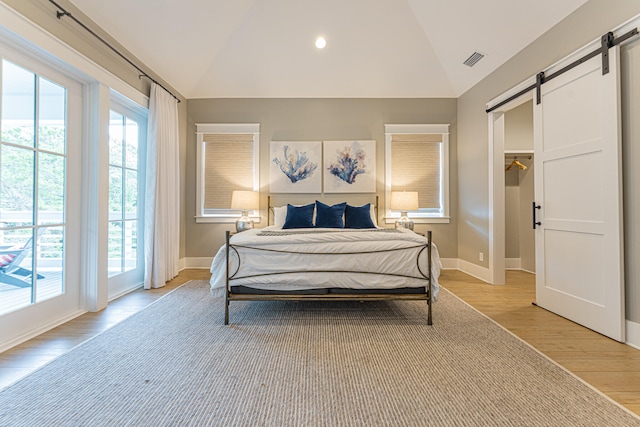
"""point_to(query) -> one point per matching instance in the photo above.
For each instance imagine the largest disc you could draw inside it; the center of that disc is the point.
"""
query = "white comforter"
(338, 250)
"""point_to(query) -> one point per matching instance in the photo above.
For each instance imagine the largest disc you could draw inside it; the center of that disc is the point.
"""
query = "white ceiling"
(375, 48)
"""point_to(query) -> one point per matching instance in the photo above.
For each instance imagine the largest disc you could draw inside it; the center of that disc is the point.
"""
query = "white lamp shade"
(404, 201)
(241, 199)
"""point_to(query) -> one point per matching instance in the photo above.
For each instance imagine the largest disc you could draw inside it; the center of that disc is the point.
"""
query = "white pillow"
(374, 219)
(279, 215)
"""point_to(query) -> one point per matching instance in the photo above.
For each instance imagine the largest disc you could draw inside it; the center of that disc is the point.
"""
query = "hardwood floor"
(607, 365)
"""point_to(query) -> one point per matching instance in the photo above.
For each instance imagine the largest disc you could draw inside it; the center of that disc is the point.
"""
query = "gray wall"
(588, 23)
(511, 214)
(43, 13)
(518, 128)
(316, 119)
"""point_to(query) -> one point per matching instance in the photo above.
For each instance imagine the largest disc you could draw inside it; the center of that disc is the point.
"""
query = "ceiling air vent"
(473, 59)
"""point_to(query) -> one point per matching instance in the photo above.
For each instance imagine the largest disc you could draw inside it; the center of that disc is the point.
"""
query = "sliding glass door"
(40, 133)
(127, 137)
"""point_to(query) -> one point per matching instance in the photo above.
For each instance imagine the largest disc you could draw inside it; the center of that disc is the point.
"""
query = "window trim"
(443, 217)
(224, 215)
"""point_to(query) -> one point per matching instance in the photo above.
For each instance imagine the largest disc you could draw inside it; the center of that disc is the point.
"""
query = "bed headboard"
(270, 213)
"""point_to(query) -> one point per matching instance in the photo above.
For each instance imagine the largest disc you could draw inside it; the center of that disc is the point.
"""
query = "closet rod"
(607, 41)
(64, 12)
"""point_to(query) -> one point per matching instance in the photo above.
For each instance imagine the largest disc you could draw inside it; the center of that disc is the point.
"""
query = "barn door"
(578, 188)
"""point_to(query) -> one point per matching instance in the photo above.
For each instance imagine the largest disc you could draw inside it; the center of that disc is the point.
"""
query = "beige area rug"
(305, 364)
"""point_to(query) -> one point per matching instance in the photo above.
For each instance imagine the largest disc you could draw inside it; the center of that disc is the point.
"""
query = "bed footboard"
(331, 294)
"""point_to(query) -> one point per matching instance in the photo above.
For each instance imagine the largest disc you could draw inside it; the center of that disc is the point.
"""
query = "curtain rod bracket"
(59, 14)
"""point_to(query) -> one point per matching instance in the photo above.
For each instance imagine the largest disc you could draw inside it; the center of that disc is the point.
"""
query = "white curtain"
(162, 198)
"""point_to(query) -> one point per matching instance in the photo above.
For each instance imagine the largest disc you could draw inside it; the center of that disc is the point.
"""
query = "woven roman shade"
(228, 167)
(415, 166)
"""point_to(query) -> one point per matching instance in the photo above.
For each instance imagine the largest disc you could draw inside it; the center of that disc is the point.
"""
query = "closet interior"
(519, 188)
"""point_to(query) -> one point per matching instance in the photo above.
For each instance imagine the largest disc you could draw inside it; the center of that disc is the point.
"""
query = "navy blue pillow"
(358, 217)
(299, 216)
(330, 216)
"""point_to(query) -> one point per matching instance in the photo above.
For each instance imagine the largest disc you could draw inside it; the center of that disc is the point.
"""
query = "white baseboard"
(39, 330)
(513, 263)
(126, 291)
(633, 334)
(449, 263)
(474, 270)
(196, 262)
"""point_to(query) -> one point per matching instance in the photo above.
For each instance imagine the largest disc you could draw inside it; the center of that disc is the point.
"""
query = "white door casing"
(578, 186)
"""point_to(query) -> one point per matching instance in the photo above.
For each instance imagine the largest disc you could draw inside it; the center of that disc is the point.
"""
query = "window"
(227, 160)
(417, 159)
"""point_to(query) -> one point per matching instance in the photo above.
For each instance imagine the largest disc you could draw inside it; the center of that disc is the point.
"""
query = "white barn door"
(578, 186)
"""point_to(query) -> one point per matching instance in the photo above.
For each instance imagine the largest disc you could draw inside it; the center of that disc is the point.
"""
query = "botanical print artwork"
(350, 166)
(295, 166)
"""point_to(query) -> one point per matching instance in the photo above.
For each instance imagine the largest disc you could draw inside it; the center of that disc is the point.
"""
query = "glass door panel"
(126, 143)
(18, 104)
(33, 174)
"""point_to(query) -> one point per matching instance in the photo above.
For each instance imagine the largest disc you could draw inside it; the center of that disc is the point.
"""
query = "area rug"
(305, 364)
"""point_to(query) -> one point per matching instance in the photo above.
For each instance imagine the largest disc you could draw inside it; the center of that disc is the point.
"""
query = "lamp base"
(244, 223)
(404, 222)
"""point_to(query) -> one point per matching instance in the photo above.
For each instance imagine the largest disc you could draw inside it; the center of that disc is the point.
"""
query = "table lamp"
(404, 201)
(244, 200)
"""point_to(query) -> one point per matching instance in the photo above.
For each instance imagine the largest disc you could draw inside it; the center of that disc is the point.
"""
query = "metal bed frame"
(360, 295)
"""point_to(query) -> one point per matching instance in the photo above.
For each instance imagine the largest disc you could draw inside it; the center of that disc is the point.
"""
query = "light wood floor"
(607, 365)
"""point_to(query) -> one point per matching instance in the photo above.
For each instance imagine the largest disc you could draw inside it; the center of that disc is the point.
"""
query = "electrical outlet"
(481, 256)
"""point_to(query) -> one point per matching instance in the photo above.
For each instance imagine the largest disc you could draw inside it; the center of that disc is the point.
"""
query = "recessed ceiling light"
(321, 42)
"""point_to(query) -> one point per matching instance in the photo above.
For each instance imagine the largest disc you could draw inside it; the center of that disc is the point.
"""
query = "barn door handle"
(533, 215)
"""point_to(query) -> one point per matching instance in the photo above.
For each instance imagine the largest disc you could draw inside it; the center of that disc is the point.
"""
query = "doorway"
(519, 188)
(515, 122)
(578, 243)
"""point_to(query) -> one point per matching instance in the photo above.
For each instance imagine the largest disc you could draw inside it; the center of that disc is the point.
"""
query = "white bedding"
(325, 249)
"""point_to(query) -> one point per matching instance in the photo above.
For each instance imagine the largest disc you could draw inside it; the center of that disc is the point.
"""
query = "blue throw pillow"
(358, 217)
(330, 216)
(299, 216)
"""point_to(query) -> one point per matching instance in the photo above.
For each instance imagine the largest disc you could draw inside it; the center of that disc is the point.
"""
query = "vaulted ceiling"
(375, 48)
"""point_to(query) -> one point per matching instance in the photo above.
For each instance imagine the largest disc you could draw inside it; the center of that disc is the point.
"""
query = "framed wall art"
(295, 167)
(349, 166)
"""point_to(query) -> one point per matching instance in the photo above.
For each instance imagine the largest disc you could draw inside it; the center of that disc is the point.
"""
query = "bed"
(318, 263)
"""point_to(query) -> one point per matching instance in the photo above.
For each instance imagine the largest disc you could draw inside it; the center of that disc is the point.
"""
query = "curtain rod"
(64, 12)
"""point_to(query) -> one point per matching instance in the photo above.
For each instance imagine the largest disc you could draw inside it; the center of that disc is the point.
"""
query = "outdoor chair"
(10, 270)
